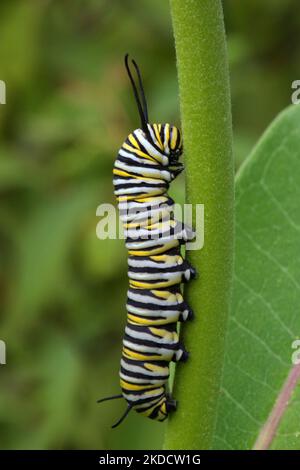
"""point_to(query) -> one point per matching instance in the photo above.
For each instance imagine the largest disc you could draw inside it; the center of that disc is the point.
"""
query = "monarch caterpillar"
(145, 166)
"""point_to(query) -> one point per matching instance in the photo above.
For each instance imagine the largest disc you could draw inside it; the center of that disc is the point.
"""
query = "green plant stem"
(207, 131)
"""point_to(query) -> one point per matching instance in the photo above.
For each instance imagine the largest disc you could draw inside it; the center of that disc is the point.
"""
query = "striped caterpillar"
(145, 166)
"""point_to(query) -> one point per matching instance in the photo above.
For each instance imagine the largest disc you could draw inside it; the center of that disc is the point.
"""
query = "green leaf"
(259, 403)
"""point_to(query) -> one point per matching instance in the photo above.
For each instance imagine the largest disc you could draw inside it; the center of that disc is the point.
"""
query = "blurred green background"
(69, 107)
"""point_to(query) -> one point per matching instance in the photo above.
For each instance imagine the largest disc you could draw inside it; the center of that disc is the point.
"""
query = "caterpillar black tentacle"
(145, 166)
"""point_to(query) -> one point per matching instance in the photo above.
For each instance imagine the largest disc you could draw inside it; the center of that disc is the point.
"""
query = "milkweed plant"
(239, 388)
(207, 132)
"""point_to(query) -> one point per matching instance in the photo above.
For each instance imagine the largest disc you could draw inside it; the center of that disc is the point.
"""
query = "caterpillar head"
(174, 144)
(165, 138)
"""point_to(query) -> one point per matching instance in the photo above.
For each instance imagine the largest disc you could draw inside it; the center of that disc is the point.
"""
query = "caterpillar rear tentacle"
(145, 166)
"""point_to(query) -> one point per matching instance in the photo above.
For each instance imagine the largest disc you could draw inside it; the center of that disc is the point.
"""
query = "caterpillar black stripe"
(145, 166)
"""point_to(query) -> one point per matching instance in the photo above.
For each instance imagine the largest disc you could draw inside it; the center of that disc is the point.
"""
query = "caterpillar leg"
(181, 354)
(184, 232)
(171, 404)
(189, 272)
(186, 314)
(188, 233)
(175, 170)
